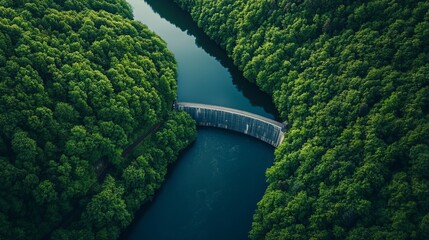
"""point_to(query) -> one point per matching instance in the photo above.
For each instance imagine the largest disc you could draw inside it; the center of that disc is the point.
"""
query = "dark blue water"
(212, 190)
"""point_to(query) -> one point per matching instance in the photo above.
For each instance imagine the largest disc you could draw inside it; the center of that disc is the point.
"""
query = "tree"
(107, 208)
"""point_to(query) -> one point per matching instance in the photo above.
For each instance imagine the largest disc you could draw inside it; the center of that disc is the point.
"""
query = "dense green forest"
(79, 82)
(352, 80)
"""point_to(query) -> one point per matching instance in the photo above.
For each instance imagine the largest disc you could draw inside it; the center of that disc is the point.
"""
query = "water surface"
(212, 190)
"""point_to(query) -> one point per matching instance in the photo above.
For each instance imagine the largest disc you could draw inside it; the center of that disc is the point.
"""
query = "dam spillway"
(250, 124)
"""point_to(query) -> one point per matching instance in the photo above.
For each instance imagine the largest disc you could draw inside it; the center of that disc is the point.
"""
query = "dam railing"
(257, 126)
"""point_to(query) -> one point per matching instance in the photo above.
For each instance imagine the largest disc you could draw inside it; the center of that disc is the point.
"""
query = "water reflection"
(171, 12)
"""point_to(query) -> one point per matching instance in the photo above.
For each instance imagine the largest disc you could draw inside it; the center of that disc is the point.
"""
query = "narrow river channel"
(212, 190)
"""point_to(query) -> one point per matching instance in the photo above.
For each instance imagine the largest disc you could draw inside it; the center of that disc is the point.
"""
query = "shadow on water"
(171, 12)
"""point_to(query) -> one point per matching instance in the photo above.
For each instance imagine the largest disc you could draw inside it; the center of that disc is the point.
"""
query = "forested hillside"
(352, 79)
(79, 82)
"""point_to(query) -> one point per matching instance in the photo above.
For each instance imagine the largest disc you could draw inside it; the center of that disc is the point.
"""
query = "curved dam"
(262, 128)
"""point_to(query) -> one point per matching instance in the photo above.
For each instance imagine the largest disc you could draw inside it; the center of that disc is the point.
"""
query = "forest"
(351, 78)
(80, 82)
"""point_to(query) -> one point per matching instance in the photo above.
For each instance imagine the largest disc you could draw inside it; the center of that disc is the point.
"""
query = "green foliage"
(112, 208)
(145, 174)
(351, 79)
(80, 81)
(107, 208)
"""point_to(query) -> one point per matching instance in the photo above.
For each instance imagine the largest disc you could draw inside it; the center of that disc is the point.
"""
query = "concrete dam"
(250, 124)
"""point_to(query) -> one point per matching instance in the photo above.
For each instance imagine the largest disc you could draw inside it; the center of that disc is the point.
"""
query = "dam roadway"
(254, 125)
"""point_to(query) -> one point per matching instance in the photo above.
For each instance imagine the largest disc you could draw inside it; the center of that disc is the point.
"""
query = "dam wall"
(250, 124)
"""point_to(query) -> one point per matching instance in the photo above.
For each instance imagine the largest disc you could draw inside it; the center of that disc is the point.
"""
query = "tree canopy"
(79, 81)
(351, 78)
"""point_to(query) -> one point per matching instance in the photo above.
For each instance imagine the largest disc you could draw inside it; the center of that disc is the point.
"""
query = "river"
(212, 190)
